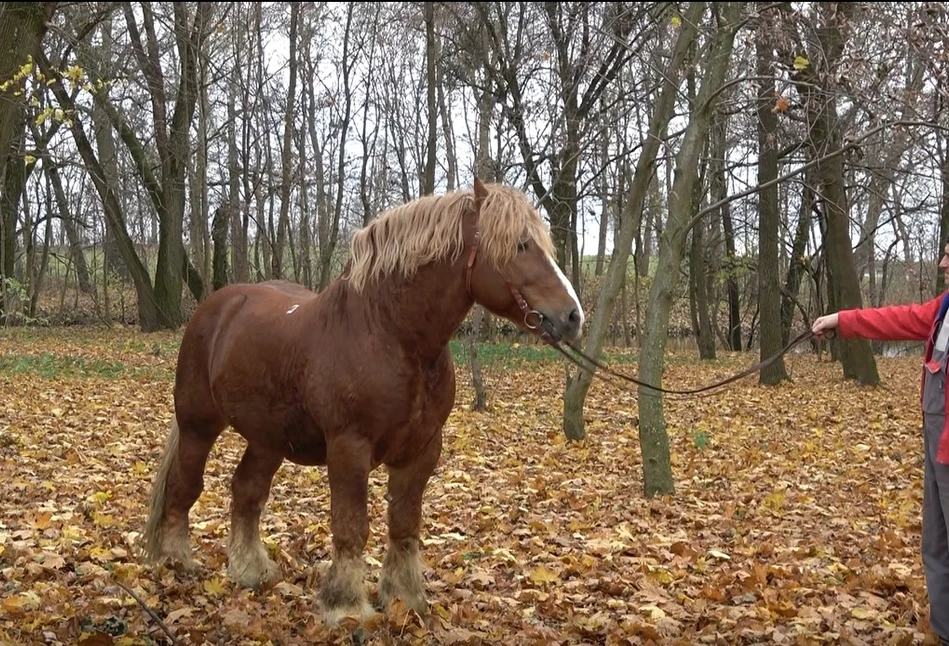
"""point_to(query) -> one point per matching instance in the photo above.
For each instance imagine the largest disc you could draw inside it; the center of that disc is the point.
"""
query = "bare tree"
(657, 470)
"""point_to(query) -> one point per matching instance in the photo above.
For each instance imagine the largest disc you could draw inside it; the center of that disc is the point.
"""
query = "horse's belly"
(310, 452)
(282, 428)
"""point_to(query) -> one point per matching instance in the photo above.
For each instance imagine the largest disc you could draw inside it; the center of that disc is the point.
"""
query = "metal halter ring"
(540, 319)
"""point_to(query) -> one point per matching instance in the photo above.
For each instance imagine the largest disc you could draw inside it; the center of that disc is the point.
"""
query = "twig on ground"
(151, 613)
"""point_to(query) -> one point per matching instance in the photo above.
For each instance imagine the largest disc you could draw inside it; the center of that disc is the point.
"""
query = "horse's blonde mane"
(431, 228)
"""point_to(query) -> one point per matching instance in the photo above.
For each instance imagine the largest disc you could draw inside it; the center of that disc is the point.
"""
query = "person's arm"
(894, 323)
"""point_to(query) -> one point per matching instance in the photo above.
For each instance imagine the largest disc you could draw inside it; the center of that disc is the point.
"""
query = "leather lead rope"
(761, 365)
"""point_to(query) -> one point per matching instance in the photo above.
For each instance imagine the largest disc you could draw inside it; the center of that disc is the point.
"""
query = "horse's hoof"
(253, 575)
(332, 617)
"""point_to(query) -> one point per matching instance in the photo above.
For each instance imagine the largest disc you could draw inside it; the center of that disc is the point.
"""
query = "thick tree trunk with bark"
(219, 239)
(843, 287)
(22, 27)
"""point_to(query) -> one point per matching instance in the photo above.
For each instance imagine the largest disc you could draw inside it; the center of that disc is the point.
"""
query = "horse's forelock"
(508, 218)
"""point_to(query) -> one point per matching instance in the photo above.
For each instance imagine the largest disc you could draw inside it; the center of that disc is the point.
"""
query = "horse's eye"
(522, 246)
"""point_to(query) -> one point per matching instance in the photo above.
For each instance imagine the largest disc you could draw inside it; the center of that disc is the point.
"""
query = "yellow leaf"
(801, 63)
(29, 159)
(654, 612)
(24, 601)
(676, 21)
(103, 520)
(542, 575)
(100, 497)
(864, 613)
(215, 587)
(74, 73)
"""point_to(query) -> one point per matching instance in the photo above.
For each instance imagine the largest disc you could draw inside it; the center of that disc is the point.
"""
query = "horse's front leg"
(343, 593)
(402, 567)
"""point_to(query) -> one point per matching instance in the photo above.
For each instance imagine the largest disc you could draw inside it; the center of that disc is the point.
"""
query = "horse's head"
(511, 269)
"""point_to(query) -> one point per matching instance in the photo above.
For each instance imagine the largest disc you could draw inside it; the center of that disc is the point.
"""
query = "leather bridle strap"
(521, 303)
(518, 298)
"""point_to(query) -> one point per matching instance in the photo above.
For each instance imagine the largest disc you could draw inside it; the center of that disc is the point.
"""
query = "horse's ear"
(480, 191)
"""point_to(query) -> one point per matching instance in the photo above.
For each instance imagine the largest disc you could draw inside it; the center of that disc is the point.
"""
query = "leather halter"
(521, 303)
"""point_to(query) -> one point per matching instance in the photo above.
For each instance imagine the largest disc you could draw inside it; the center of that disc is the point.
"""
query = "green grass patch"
(53, 366)
(506, 355)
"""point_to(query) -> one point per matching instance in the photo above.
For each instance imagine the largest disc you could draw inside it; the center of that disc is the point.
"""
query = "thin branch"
(151, 613)
(814, 162)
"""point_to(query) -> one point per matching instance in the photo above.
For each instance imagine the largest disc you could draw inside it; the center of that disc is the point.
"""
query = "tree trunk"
(843, 287)
(200, 236)
(428, 178)
(578, 386)
(14, 182)
(219, 238)
(719, 191)
(605, 203)
(657, 469)
(239, 266)
(451, 157)
(286, 152)
(798, 264)
(39, 273)
(943, 210)
(69, 225)
(483, 170)
(22, 27)
(769, 217)
(699, 289)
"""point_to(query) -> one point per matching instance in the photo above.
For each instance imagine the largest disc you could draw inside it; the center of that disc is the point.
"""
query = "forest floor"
(796, 515)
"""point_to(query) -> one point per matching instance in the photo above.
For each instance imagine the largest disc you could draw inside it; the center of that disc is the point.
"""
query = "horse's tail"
(156, 507)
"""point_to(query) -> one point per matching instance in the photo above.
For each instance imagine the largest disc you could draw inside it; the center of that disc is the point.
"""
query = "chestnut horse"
(356, 376)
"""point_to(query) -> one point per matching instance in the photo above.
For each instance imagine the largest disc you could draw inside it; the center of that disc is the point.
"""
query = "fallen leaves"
(795, 517)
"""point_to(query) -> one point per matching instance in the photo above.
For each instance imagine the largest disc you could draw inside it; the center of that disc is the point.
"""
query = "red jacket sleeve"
(894, 323)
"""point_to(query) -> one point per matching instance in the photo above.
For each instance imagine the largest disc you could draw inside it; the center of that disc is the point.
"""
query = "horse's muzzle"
(565, 326)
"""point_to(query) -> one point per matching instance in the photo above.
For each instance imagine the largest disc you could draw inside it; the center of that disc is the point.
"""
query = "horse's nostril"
(574, 317)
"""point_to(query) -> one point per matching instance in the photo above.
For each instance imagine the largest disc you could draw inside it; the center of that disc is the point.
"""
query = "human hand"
(823, 324)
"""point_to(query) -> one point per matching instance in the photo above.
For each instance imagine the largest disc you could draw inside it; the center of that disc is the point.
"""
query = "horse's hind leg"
(177, 485)
(248, 562)
(402, 568)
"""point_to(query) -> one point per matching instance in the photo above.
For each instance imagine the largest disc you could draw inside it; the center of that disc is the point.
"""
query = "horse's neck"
(424, 312)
